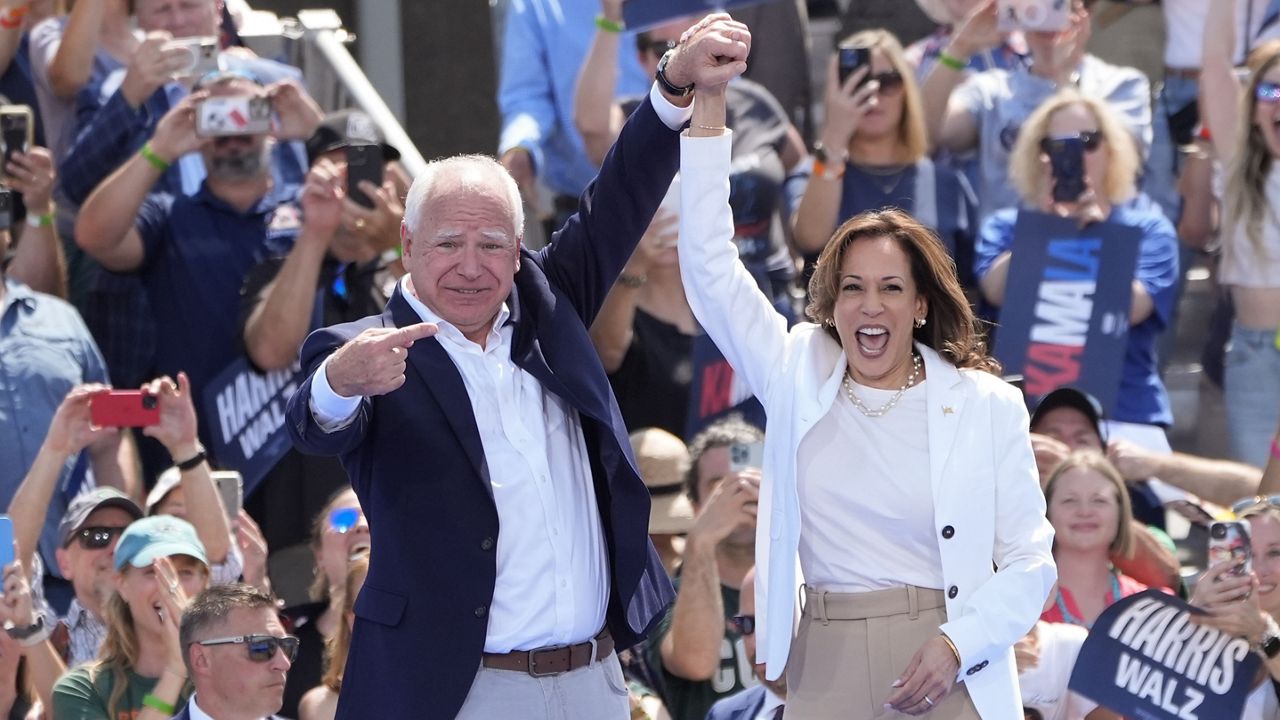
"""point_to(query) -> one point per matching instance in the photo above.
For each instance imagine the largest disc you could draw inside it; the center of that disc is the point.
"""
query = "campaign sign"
(716, 390)
(644, 14)
(1145, 659)
(1065, 318)
(245, 418)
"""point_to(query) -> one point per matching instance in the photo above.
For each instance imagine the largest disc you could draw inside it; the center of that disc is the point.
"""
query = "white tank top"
(1242, 264)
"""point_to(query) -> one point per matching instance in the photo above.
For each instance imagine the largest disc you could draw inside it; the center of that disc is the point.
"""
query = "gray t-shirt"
(1001, 100)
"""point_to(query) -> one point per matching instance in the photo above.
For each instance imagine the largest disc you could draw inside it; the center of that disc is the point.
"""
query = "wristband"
(13, 19)
(152, 701)
(951, 61)
(607, 25)
(155, 160)
(193, 462)
(39, 221)
(631, 281)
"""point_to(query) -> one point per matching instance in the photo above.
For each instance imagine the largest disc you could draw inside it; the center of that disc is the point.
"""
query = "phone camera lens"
(1219, 532)
(149, 402)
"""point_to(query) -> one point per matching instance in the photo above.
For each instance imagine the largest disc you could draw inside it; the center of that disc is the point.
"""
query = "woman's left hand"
(927, 679)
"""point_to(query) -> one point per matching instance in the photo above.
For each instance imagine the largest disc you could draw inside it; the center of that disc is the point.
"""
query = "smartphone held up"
(1229, 542)
(231, 115)
(124, 408)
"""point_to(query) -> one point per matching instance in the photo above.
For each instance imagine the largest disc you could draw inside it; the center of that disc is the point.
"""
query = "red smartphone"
(124, 408)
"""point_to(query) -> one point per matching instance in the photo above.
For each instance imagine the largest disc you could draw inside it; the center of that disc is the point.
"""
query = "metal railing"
(316, 42)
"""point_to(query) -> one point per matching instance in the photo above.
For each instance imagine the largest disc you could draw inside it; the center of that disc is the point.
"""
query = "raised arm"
(1271, 475)
(598, 118)
(177, 432)
(12, 25)
(614, 327)
(279, 323)
(1219, 88)
(69, 432)
(72, 65)
(39, 260)
(951, 125)
(105, 227)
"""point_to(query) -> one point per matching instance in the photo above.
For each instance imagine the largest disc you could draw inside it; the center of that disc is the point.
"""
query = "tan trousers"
(852, 646)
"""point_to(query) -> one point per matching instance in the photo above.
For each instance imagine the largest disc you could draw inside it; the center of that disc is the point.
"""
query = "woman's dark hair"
(951, 328)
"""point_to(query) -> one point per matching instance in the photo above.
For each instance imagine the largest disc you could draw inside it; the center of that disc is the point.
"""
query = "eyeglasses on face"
(743, 624)
(1254, 504)
(660, 47)
(1090, 139)
(261, 647)
(96, 538)
(1267, 92)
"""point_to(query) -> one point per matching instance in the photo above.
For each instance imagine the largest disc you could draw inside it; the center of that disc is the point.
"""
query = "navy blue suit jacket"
(416, 462)
(185, 713)
(742, 706)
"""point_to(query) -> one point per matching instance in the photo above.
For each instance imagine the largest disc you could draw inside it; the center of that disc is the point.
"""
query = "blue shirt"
(198, 251)
(545, 43)
(45, 350)
(1142, 397)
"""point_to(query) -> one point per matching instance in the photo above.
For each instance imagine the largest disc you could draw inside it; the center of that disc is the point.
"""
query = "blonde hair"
(1026, 166)
(1090, 459)
(951, 329)
(1245, 197)
(336, 647)
(912, 133)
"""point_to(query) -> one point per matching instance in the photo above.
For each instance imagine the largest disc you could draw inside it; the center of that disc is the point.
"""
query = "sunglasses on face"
(96, 538)
(890, 82)
(261, 647)
(660, 47)
(1090, 139)
(1267, 92)
(1254, 504)
(743, 624)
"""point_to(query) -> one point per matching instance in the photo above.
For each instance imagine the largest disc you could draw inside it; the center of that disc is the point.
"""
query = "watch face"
(1271, 646)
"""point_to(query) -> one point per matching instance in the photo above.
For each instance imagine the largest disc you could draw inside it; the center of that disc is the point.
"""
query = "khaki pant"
(852, 646)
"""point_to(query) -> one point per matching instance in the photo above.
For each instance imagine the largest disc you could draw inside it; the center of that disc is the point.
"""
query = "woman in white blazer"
(899, 483)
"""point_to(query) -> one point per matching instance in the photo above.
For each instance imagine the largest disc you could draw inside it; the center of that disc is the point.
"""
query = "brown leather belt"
(545, 662)
(1184, 73)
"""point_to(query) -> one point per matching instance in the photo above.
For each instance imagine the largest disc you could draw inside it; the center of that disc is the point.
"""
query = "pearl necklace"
(857, 402)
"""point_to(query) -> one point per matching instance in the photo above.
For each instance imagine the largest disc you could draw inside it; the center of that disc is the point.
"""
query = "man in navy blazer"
(764, 701)
(510, 553)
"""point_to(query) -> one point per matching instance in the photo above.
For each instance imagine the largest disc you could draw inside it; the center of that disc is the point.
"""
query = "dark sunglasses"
(660, 47)
(890, 82)
(96, 538)
(1253, 504)
(1090, 139)
(261, 647)
(743, 624)
(1267, 92)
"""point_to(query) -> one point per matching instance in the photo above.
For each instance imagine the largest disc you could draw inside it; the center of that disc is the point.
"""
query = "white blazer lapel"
(944, 390)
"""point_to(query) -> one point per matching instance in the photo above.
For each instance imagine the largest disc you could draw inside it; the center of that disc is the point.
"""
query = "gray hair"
(212, 607)
(469, 171)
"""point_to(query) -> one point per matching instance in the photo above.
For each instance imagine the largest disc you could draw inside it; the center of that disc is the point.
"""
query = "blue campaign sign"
(1145, 659)
(244, 416)
(1065, 318)
(644, 14)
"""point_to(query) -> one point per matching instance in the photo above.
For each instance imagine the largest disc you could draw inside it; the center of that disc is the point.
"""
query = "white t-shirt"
(1044, 687)
(1184, 22)
(866, 503)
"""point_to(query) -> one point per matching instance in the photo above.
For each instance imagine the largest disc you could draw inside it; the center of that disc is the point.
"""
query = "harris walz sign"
(1065, 318)
(245, 417)
(1145, 659)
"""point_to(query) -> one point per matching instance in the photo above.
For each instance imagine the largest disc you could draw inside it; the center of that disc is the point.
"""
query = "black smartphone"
(6, 208)
(364, 162)
(16, 130)
(1066, 160)
(851, 59)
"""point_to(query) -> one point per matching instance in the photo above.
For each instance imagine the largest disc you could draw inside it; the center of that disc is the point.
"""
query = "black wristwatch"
(661, 76)
(1270, 645)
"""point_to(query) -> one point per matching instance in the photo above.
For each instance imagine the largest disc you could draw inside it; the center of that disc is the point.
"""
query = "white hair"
(479, 172)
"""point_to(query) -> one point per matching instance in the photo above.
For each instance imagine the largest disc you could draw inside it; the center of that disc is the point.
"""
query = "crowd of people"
(710, 451)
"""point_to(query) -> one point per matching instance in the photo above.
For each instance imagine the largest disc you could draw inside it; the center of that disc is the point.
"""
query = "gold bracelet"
(719, 128)
(954, 650)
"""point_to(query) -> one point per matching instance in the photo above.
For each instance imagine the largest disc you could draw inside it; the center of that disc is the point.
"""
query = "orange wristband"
(13, 18)
(821, 170)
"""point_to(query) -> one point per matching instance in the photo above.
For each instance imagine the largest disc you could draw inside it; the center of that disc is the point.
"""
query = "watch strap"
(661, 77)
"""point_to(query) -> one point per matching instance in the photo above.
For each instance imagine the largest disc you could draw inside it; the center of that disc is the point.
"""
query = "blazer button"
(482, 611)
(947, 532)
(486, 544)
(952, 592)
(973, 670)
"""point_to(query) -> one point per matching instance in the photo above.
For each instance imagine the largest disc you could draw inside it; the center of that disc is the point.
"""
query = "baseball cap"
(155, 537)
(86, 503)
(664, 460)
(1072, 398)
(344, 128)
(167, 481)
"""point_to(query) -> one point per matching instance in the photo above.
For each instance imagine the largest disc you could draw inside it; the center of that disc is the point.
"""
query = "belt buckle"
(532, 664)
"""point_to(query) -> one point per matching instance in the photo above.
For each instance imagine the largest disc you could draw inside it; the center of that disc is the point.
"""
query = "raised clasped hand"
(710, 54)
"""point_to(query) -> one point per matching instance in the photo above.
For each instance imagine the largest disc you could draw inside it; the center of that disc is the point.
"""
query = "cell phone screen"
(364, 162)
(850, 60)
(1066, 160)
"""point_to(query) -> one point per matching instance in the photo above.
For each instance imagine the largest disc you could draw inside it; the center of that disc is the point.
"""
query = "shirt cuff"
(330, 410)
(671, 116)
